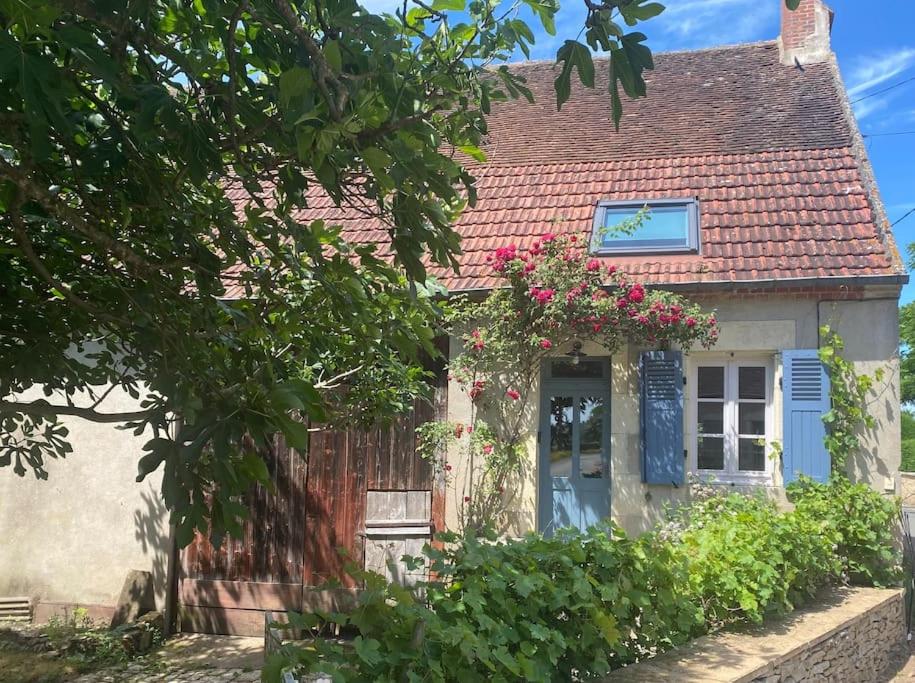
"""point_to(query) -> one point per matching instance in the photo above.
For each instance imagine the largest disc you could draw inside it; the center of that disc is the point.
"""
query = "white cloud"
(865, 108)
(706, 23)
(871, 71)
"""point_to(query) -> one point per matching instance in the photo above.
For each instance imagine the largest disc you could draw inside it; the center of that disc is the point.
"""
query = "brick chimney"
(805, 33)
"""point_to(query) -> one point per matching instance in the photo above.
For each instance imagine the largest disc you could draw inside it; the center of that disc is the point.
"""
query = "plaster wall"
(758, 327)
(73, 537)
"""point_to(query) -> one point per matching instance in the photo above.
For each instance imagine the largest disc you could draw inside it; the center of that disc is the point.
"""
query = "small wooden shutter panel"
(662, 417)
(806, 400)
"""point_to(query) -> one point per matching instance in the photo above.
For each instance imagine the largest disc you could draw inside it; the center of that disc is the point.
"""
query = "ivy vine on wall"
(848, 416)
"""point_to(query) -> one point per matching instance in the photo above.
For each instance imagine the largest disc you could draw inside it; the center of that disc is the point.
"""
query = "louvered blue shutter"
(806, 399)
(662, 417)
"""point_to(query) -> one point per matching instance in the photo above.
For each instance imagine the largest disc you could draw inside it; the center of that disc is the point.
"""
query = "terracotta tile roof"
(783, 185)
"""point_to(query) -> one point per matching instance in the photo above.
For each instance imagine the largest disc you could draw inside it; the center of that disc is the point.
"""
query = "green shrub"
(746, 559)
(539, 609)
(581, 603)
(908, 456)
(907, 425)
(866, 524)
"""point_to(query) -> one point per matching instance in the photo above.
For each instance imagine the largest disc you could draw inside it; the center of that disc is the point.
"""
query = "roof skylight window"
(656, 225)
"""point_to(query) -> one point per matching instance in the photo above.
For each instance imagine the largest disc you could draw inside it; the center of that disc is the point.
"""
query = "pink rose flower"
(487, 449)
(593, 265)
(544, 296)
(546, 344)
(513, 394)
(636, 294)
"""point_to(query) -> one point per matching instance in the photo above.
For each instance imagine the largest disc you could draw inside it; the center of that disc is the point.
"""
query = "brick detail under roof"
(766, 148)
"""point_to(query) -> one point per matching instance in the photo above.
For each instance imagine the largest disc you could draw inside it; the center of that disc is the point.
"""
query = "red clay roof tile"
(767, 149)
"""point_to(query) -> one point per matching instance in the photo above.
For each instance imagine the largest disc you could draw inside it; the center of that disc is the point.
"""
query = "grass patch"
(30, 667)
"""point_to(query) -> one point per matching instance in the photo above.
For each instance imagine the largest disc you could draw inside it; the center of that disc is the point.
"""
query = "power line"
(904, 216)
(887, 89)
(883, 135)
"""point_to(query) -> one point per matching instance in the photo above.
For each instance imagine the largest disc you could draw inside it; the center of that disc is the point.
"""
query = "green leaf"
(635, 12)
(473, 152)
(367, 650)
(449, 5)
(546, 12)
(296, 433)
(293, 83)
(573, 55)
(792, 4)
(333, 56)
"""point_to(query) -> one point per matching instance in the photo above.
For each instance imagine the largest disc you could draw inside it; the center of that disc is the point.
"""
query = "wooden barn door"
(302, 537)
(226, 590)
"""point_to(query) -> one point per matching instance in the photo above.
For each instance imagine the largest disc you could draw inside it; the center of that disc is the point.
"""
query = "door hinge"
(685, 454)
(539, 433)
(684, 380)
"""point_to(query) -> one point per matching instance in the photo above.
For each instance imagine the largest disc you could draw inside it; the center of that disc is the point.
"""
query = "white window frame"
(731, 365)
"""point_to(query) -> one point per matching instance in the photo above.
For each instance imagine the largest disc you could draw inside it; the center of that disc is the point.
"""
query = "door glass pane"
(751, 418)
(591, 414)
(583, 369)
(711, 382)
(752, 455)
(711, 453)
(752, 383)
(711, 418)
(561, 436)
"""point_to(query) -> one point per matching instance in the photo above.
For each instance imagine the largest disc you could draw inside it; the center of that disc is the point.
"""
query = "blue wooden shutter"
(662, 417)
(806, 399)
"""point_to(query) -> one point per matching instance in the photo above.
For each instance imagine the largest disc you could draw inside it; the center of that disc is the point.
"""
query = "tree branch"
(331, 87)
(40, 268)
(42, 408)
(34, 191)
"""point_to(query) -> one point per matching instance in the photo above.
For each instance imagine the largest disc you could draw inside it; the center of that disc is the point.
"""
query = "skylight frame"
(634, 246)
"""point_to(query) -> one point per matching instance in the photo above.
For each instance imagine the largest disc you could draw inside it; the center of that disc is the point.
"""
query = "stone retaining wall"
(851, 635)
(859, 651)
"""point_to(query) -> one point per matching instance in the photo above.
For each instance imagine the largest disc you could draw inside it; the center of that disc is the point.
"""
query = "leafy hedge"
(582, 603)
(908, 439)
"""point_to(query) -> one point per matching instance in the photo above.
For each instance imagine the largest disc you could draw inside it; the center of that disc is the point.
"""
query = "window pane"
(751, 418)
(711, 382)
(662, 226)
(752, 455)
(591, 414)
(752, 382)
(711, 418)
(561, 436)
(564, 369)
(711, 453)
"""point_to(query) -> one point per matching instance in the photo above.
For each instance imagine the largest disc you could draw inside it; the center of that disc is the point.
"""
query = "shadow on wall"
(151, 533)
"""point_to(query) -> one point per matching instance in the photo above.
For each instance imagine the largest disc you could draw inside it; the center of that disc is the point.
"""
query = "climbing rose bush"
(552, 294)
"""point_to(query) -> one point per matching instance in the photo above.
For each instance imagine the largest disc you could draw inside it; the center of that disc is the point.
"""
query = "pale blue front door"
(574, 440)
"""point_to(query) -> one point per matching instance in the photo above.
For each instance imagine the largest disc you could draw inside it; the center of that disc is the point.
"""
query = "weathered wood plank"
(241, 594)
